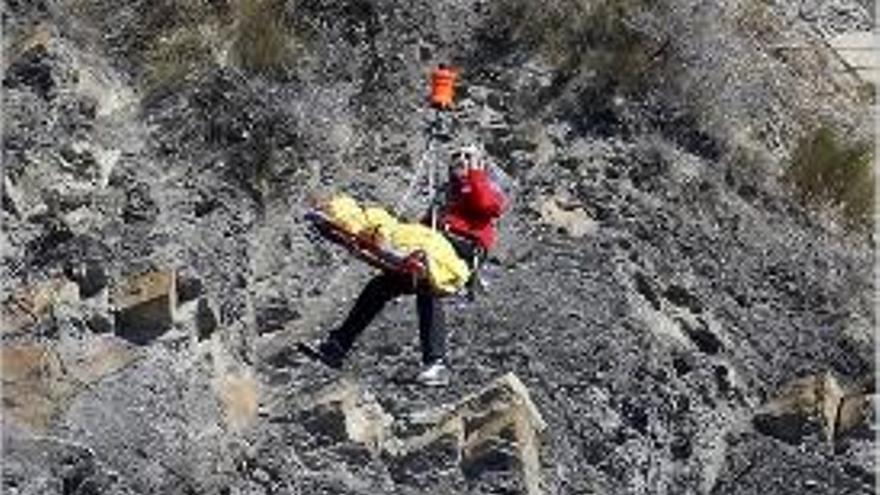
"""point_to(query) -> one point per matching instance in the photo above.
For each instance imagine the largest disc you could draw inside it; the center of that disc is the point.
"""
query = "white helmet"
(469, 156)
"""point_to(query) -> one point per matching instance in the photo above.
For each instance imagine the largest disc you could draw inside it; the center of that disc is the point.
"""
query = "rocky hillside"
(681, 301)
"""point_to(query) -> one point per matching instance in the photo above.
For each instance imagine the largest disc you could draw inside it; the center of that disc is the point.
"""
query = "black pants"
(387, 286)
(383, 288)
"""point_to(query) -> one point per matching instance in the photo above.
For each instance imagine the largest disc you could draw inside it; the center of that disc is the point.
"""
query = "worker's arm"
(480, 195)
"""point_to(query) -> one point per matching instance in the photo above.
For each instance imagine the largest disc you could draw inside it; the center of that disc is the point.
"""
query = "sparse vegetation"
(262, 43)
(756, 19)
(177, 57)
(868, 93)
(601, 34)
(827, 171)
(249, 34)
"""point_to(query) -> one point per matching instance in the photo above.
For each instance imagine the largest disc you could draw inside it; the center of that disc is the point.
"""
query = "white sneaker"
(435, 375)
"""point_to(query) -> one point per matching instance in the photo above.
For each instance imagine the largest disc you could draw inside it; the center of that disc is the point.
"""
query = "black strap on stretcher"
(367, 249)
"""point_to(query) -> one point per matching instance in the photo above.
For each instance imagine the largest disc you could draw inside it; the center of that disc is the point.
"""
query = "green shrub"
(827, 171)
(262, 42)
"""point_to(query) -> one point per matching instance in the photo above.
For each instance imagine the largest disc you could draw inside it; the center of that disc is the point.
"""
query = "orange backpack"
(443, 87)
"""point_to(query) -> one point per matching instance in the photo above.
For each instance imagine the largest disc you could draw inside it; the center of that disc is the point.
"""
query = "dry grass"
(827, 171)
(262, 43)
(176, 58)
(194, 37)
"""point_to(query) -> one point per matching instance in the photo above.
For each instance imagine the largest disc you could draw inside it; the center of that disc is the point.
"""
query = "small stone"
(100, 323)
(205, 319)
(189, 288)
(571, 219)
(91, 278)
(273, 315)
(856, 413)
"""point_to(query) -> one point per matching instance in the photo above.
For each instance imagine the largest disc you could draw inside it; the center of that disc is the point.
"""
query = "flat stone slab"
(861, 51)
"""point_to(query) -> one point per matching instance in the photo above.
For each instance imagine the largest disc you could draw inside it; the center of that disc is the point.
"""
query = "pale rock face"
(240, 396)
(40, 380)
(572, 219)
(820, 399)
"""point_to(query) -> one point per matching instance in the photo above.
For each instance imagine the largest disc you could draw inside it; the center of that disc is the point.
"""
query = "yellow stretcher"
(366, 248)
(379, 239)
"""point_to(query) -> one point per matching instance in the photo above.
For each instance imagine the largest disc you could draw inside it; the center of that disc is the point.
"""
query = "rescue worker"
(472, 203)
(441, 99)
(443, 87)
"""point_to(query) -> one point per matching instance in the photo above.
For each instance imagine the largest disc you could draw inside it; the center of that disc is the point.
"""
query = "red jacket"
(473, 205)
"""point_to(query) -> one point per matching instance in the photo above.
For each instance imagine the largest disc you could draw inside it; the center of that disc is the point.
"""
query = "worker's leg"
(432, 327)
(440, 124)
(378, 291)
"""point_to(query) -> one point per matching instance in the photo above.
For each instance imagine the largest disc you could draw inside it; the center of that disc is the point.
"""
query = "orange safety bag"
(443, 87)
